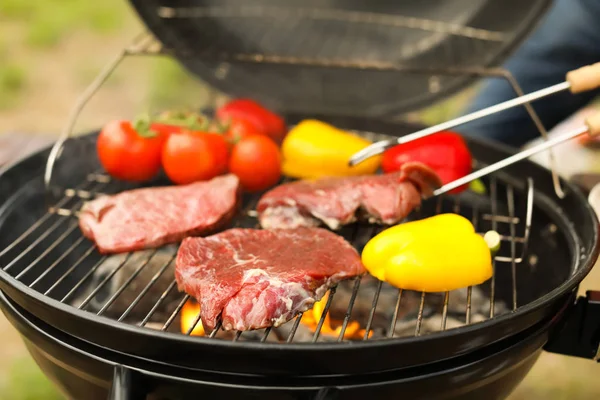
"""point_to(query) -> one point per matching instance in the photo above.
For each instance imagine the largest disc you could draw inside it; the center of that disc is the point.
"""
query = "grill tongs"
(577, 81)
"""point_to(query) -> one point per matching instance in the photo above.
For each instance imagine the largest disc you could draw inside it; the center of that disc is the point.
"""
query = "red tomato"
(257, 162)
(239, 129)
(220, 149)
(128, 155)
(194, 156)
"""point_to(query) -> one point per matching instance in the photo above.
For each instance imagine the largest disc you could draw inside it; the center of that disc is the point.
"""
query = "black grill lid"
(280, 52)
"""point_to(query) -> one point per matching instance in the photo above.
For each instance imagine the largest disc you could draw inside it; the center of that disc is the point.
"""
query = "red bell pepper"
(249, 110)
(445, 152)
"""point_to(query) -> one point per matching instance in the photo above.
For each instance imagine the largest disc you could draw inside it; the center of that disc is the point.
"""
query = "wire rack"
(52, 257)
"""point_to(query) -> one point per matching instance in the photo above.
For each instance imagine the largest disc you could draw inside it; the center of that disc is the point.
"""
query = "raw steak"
(335, 202)
(150, 217)
(258, 278)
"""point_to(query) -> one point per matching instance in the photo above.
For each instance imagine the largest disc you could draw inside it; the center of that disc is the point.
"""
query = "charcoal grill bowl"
(85, 371)
(561, 272)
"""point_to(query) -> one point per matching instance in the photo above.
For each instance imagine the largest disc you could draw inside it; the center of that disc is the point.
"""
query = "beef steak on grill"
(258, 278)
(335, 202)
(150, 217)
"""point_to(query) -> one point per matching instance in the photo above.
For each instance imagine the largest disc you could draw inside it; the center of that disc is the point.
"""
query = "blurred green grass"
(43, 26)
(13, 77)
(173, 86)
(50, 21)
(25, 381)
(12, 82)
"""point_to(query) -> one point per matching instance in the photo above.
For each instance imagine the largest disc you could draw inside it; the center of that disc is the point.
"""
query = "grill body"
(82, 370)
(564, 243)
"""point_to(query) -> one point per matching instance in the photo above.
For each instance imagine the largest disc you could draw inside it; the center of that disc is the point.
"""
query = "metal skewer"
(592, 126)
(577, 81)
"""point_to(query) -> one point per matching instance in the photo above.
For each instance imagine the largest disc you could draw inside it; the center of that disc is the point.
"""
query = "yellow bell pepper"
(313, 149)
(436, 254)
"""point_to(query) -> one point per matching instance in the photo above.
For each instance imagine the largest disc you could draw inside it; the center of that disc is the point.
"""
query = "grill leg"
(123, 387)
(327, 394)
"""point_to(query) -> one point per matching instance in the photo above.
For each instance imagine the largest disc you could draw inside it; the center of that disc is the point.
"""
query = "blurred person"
(567, 38)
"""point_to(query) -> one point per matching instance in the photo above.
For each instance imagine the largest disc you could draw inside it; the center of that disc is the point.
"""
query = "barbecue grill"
(116, 326)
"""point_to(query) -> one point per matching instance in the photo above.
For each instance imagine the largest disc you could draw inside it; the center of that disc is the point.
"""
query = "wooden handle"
(585, 78)
(593, 124)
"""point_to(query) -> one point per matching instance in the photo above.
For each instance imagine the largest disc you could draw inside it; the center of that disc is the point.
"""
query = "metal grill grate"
(53, 258)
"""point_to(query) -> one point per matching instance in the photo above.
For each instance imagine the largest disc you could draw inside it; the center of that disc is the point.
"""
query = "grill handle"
(123, 387)
(579, 334)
